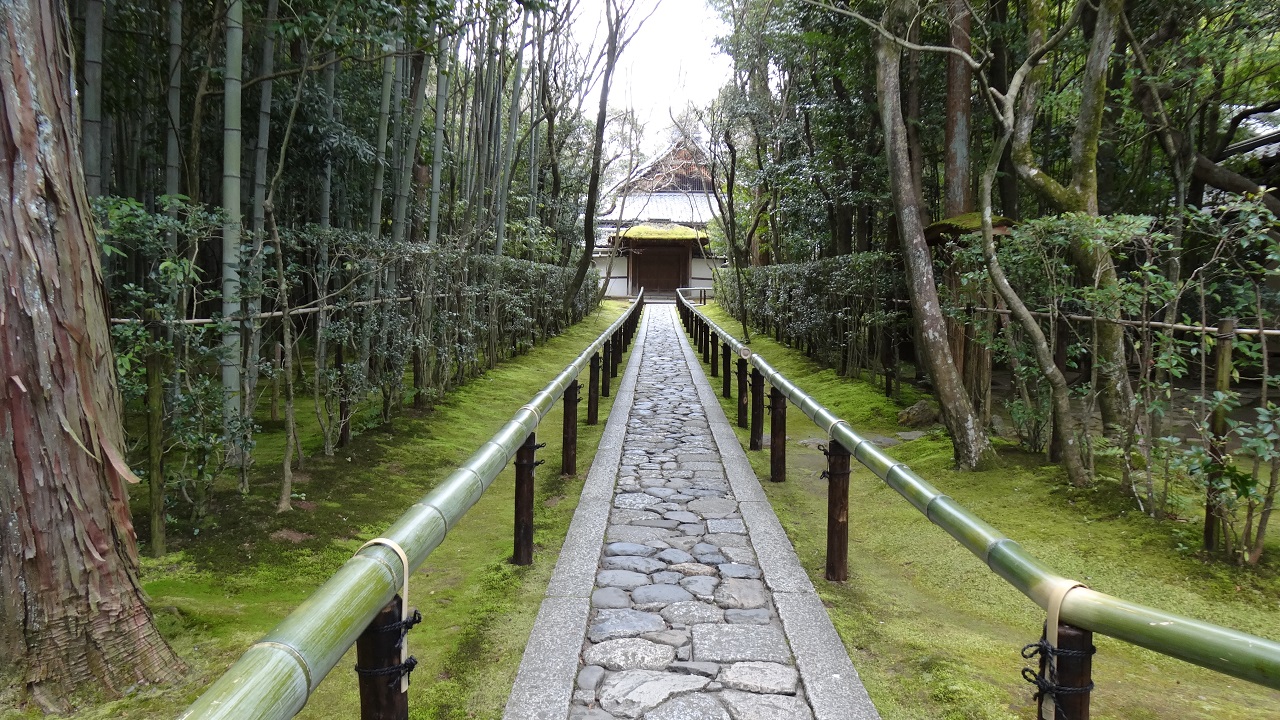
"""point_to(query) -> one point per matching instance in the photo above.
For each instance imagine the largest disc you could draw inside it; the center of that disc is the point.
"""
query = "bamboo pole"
(274, 677)
(1218, 648)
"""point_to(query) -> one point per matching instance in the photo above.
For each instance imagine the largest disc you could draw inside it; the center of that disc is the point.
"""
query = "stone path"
(683, 622)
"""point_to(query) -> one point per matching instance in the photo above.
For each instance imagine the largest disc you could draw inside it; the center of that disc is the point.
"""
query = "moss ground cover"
(220, 591)
(934, 634)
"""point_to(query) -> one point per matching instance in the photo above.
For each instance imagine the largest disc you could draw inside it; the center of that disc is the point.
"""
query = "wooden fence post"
(743, 394)
(604, 371)
(757, 410)
(727, 380)
(1074, 676)
(715, 355)
(378, 651)
(706, 342)
(525, 463)
(837, 512)
(617, 353)
(777, 435)
(1218, 426)
(569, 436)
(593, 391)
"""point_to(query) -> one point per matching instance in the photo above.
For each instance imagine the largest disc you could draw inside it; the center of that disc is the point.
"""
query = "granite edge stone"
(544, 684)
(575, 571)
(543, 688)
(775, 554)
(831, 682)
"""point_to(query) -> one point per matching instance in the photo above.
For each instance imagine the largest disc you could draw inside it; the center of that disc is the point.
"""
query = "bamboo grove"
(1068, 196)
(234, 213)
(297, 202)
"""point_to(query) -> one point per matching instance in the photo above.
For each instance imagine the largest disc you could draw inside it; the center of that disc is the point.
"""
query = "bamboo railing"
(1224, 650)
(276, 675)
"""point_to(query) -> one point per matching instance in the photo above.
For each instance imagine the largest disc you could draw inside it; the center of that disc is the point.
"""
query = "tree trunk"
(1067, 427)
(597, 152)
(509, 146)
(231, 143)
(1211, 173)
(92, 97)
(326, 181)
(73, 619)
(915, 147)
(285, 503)
(173, 151)
(251, 327)
(443, 75)
(959, 183)
(967, 433)
(1008, 178)
(1080, 194)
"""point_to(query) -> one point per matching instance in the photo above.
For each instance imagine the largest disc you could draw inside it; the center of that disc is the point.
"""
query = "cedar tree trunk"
(72, 614)
(967, 433)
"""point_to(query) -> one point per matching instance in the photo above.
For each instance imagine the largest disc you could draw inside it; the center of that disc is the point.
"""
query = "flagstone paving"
(682, 621)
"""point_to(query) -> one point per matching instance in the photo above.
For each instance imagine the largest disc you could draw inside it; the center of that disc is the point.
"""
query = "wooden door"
(659, 269)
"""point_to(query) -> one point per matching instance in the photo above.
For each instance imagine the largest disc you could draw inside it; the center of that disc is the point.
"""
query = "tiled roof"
(684, 208)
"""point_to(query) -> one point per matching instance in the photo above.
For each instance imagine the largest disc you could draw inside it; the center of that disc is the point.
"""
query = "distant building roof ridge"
(682, 167)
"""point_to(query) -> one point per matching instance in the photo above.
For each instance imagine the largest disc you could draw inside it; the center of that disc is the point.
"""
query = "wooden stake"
(837, 512)
(777, 436)
(757, 410)
(378, 647)
(525, 463)
(593, 392)
(569, 436)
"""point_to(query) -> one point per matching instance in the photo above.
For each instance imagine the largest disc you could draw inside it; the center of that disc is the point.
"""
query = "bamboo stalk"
(1218, 648)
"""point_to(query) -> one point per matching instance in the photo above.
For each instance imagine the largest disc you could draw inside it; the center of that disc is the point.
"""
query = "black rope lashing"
(1045, 687)
(1048, 685)
(403, 626)
(1044, 648)
(395, 672)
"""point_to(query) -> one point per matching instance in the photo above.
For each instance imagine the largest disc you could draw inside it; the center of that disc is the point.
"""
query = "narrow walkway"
(696, 605)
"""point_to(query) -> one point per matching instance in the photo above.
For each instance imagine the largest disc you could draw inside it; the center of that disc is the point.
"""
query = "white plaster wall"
(701, 272)
(618, 282)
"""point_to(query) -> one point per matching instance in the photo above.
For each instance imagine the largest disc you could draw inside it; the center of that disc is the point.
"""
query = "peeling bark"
(72, 614)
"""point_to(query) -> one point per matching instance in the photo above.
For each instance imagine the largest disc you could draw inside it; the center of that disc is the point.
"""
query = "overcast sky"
(671, 62)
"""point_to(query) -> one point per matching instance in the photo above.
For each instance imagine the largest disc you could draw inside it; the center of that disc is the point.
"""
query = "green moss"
(934, 634)
(221, 590)
(964, 224)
